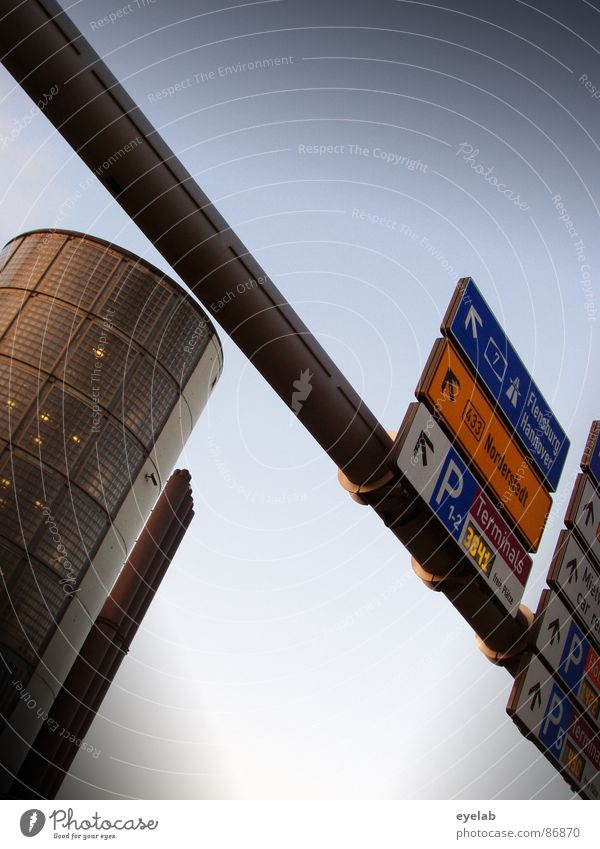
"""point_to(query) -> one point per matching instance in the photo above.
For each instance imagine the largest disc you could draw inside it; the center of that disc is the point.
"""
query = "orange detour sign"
(450, 391)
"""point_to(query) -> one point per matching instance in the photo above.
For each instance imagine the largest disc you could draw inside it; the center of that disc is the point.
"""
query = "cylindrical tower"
(105, 366)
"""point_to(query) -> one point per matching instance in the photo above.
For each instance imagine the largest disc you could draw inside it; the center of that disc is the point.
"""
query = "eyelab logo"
(32, 822)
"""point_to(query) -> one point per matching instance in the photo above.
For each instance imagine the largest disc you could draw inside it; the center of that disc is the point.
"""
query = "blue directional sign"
(591, 456)
(471, 324)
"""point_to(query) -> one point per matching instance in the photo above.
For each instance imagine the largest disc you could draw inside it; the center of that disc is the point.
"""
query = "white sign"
(563, 644)
(577, 581)
(584, 514)
(437, 471)
(545, 713)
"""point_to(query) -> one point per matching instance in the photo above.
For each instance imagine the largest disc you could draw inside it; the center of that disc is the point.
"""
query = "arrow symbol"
(572, 565)
(589, 518)
(473, 318)
(452, 384)
(535, 690)
(554, 626)
(422, 444)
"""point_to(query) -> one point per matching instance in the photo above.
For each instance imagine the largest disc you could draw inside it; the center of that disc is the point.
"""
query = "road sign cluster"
(482, 448)
(482, 452)
(556, 697)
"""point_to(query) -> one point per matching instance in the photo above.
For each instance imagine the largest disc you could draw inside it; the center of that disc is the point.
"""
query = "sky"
(291, 651)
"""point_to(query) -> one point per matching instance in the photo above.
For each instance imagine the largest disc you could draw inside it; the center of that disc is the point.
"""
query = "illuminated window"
(138, 300)
(89, 299)
(42, 332)
(79, 272)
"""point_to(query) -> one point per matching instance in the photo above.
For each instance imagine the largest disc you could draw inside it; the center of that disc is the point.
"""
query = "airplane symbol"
(513, 392)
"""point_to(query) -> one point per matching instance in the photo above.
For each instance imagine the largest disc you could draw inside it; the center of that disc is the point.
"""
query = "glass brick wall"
(94, 351)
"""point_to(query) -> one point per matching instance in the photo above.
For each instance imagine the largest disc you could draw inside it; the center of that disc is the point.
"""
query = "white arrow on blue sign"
(471, 324)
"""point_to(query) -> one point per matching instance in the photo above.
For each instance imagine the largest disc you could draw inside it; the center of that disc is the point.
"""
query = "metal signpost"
(471, 324)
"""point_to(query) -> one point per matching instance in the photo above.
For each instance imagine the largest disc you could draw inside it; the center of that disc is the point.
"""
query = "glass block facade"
(94, 353)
